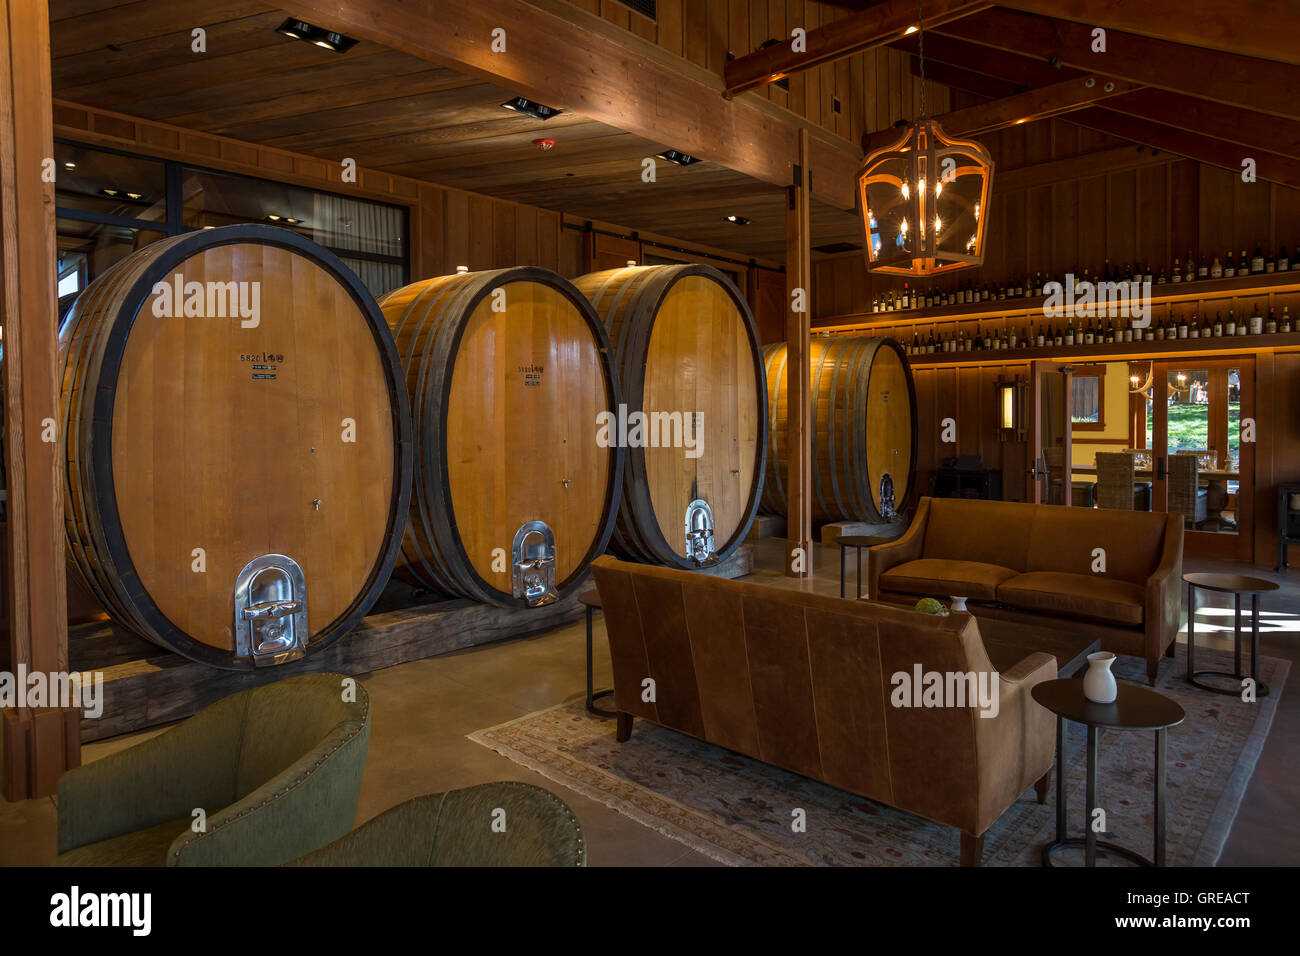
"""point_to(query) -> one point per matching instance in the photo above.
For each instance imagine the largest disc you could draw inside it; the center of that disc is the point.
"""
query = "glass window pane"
(94, 181)
(340, 223)
(86, 249)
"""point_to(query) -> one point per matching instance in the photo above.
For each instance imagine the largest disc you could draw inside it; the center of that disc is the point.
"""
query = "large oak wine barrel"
(238, 445)
(688, 352)
(863, 429)
(508, 372)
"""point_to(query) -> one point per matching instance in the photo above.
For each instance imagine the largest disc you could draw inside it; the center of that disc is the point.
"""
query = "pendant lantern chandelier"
(924, 199)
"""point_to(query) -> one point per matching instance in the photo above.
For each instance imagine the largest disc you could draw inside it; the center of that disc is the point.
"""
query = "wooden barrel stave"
(447, 338)
(142, 430)
(650, 311)
(860, 427)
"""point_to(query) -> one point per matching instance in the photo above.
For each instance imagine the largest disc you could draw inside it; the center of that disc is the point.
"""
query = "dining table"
(1214, 479)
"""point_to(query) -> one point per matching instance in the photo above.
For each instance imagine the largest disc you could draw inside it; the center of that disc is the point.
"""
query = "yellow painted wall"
(1085, 447)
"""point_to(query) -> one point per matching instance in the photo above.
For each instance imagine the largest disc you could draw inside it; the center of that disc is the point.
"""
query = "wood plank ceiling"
(396, 113)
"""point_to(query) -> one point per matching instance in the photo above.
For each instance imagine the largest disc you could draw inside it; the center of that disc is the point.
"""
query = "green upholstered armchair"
(276, 770)
(456, 829)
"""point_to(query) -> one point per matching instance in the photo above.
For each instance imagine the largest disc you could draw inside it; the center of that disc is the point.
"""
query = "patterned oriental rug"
(739, 811)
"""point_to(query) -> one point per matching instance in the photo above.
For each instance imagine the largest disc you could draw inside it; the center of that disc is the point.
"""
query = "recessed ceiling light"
(680, 158)
(540, 111)
(738, 220)
(273, 217)
(316, 36)
(69, 165)
(111, 192)
(135, 195)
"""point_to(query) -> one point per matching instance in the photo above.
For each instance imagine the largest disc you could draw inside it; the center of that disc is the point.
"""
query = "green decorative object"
(492, 824)
(276, 772)
(931, 606)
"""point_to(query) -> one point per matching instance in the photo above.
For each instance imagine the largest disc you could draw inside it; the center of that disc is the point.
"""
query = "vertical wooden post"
(798, 272)
(39, 743)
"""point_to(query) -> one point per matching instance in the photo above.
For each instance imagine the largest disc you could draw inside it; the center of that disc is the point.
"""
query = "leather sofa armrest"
(1017, 746)
(1163, 610)
(1027, 670)
(909, 547)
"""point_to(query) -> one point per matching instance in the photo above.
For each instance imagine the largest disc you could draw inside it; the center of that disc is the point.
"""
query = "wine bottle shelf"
(1116, 351)
(1165, 293)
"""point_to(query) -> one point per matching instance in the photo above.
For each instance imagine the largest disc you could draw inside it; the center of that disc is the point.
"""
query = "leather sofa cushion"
(1086, 596)
(945, 578)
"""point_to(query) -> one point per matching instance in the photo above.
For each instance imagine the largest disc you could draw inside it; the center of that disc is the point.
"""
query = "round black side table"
(1236, 585)
(1134, 708)
(858, 541)
(590, 599)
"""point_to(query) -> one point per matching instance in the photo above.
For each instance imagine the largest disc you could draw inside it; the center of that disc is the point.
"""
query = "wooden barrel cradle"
(863, 429)
(686, 343)
(507, 373)
(236, 481)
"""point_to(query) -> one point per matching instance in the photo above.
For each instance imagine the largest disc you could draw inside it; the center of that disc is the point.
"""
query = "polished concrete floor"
(423, 710)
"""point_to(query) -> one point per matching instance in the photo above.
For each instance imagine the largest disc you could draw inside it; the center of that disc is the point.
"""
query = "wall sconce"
(1011, 409)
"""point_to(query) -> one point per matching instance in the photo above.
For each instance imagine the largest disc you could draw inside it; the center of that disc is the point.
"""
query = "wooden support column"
(39, 743)
(798, 384)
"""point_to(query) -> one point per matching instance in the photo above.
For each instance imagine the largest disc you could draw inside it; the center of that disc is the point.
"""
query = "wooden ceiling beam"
(856, 33)
(556, 57)
(1261, 85)
(1213, 152)
(987, 73)
(1036, 104)
(1257, 28)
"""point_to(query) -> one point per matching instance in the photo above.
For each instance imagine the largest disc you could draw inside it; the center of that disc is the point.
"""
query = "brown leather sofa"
(805, 681)
(1035, 563)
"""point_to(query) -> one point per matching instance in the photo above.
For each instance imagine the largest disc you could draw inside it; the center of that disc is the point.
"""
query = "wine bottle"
(1270, 264)
(1243, 265)
(1178, 272)
(1190, 274)
(1218, 324)
(1203, 270)
(1182, 327)
(1229, 267)
(1194, 328)
(1069, 333)
(1257, 261)
(1283, 262)
(1230, 327)
(1256, 321)
(1270, 327)
(1286, 318)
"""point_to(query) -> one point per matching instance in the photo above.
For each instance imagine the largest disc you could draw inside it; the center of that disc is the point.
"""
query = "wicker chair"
(1186, 496)
(1116, 487)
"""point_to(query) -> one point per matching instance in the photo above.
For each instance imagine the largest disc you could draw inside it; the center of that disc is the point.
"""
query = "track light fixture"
(317, 36)
(539, 111)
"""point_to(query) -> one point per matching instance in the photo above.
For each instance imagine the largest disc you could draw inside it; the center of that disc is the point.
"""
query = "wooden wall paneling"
(1066, 214)
(504, 234)
(719, 41)
(1091, 225)
(695, 32)
(549, 225)
(1038, 226)
(1151, 220)
(1216, 203)
(1184, 205)
(1120, 213)
(1250, 221)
